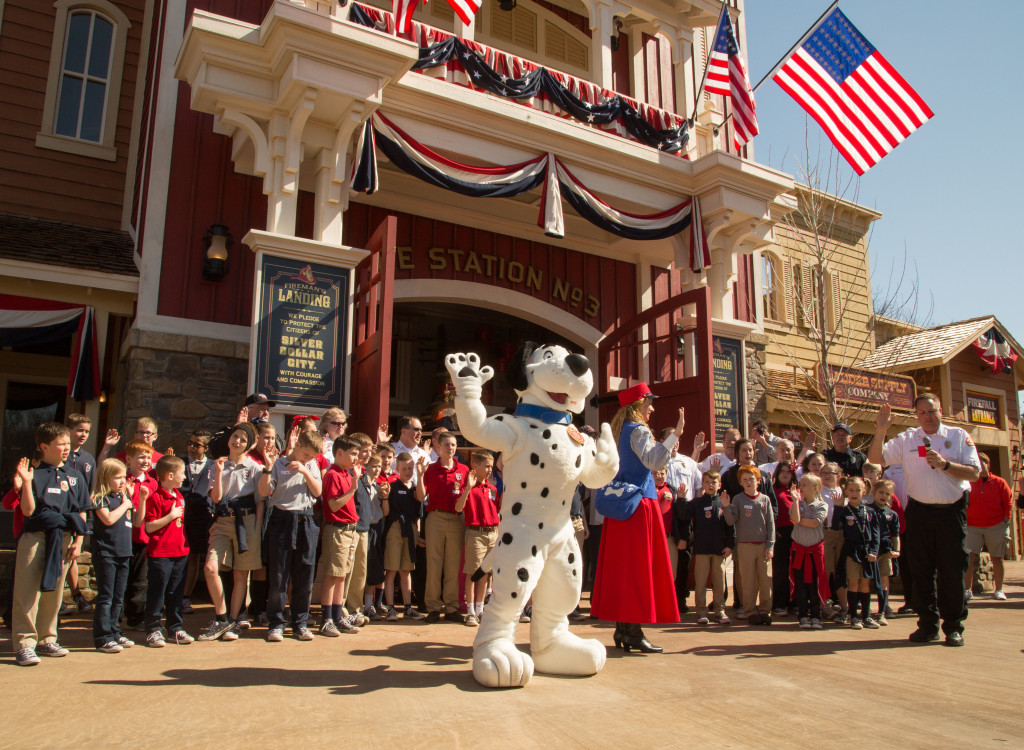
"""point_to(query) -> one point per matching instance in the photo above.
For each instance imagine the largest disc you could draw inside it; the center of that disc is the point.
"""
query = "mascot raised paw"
(545, 457)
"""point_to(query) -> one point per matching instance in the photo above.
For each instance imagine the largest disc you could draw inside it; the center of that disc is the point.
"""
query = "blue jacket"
(631, 469)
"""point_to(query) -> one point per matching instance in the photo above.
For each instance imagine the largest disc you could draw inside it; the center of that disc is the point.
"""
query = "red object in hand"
(922, 451)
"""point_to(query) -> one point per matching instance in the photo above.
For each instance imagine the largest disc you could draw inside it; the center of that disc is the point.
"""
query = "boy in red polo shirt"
(479, 504)
(141, 484)
(339, 535)
(167, 551)
(440, 485)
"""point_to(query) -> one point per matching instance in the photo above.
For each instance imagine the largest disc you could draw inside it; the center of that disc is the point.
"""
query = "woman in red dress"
(634, 582)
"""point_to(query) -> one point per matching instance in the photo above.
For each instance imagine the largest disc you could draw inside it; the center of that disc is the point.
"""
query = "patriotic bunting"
(506, 181)
(24, 320)
(995, 351)
(543, 83)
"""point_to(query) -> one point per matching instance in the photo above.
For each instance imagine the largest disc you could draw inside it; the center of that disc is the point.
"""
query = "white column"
(602, 26)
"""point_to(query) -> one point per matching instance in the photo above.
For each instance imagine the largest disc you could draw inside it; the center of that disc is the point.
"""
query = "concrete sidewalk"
(409, 685)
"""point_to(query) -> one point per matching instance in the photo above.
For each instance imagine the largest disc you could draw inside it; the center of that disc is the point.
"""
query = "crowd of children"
(263, 519)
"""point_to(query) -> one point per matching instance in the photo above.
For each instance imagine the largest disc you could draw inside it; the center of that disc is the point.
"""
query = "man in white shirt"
(409, 431)
(723, 461)
(784, 451)
(939, 463)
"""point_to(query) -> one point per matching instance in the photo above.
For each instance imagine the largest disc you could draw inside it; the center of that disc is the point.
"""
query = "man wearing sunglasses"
(410, 432)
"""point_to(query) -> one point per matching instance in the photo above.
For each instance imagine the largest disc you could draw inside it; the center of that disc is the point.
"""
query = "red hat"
(635, 393)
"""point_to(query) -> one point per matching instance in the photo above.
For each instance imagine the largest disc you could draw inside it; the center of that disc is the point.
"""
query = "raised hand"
(699, 442)
(143, 493)
(472, 481)
(218, 465)
(681, 423)
(885, 418)
(24, 473)
(725, 499)
(112, 438)
(716, 464)
(169, 451)
(383, 436)
(243, 415)
(467, 375)
(177, 511)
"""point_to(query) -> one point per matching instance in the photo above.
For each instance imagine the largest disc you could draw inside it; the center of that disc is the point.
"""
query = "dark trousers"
(111, 579)
(906, 577)
(593, 547)
(780, 568)
(166, 588)
(290, 559)
(683, 575)
(135, 592)
(938, 562)
(808, 601)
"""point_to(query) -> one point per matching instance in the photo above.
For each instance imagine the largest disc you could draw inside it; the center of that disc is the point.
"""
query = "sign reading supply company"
(300, 348)
(864, 387)
(983, 410)
(727, 366)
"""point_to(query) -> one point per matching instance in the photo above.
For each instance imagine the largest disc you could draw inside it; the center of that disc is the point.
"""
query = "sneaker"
(110, 647)
(303, 633)
(358, 619)
(26, 657)
(51, 649)
(889, 612)
(232, 633)
(844, 619)
(374, 614)
(840, 615)
(413, 614)
(721, 619)
(968, 595)
(471, 621)
(125, 642)
(524, 617)
(703, 620)
(576, 615)
(870, 623)
(856, 624)
(779, 611)
(242, 623)
(262, 619)
(392, 615)
(186, 606)
(214, 630)
(329, 629)
(182, 638)
(83, 604)
(66, 610)
(346, 627)
(276, 635)
(815, 623)
(805, 623)
(998, 594)
(741, 614)
(432, 617)
(455, 617)
(881, 620)
(155, 639)
(370, 612)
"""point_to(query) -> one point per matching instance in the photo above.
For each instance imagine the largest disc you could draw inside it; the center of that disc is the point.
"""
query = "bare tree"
(819, 236)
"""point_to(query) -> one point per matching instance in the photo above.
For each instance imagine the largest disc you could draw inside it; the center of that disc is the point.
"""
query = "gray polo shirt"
(815, 510)
(288, 490)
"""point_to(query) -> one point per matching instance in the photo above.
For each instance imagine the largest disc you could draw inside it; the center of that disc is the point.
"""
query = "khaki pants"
(445, 535)
(757, 584)
(833, 546)
(356, 581)
(34, 612)
(702, 566)
(578, 531)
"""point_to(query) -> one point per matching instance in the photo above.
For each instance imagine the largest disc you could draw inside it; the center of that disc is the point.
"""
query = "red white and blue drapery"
(24, 321)
(477, 66)
(508, 181)
(995, 351)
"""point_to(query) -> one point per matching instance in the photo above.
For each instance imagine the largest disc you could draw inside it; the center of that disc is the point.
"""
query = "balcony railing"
(514, 67)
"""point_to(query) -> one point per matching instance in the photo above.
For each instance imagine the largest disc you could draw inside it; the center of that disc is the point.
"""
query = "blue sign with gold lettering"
(302, 333)
(727, 366)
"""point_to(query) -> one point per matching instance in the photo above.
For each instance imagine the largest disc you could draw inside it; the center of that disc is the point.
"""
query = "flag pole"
(789, 52)
(703, 80)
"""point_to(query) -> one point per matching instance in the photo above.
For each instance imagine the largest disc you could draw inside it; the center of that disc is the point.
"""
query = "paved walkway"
(406, 686)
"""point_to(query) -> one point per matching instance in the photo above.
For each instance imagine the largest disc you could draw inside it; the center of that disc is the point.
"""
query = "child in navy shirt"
(402, 535)
(54, 502)
(111, 554)
(888, 542)
(167, 549)
(713, 543)
(860, 551)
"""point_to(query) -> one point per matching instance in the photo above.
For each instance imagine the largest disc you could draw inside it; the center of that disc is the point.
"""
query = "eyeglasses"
(340, 424)
(415, 429)
(139, 433)
(194, 444)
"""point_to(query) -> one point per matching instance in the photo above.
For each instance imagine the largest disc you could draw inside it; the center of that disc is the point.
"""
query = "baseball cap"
(844, 427)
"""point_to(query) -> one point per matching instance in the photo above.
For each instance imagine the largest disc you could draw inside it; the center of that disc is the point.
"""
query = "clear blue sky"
(950, 194)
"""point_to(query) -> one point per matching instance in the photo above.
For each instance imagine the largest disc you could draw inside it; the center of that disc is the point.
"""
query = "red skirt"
(634, 574)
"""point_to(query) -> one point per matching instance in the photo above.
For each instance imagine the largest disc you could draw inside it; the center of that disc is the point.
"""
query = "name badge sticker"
(53, 490)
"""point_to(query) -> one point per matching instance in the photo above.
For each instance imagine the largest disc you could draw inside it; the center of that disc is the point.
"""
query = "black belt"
(341, 525)
(483, 528)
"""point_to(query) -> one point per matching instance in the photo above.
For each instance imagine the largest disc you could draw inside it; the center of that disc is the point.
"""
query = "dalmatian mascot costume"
(545, 457)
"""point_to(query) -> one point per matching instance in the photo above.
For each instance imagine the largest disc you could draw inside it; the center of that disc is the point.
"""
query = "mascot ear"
(516, 372)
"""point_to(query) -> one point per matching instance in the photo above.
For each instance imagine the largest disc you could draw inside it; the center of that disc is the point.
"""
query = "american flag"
(403, 10)
(861, 102)
(727, 75)
(466, 9)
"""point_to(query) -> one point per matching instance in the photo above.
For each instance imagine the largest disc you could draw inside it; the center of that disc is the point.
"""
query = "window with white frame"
(84, 85)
